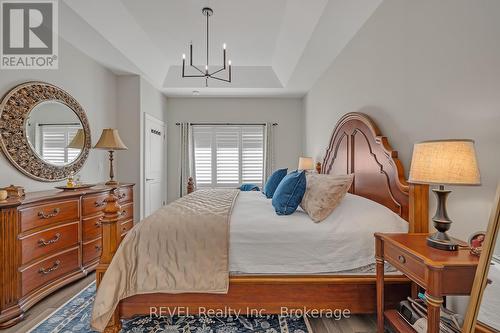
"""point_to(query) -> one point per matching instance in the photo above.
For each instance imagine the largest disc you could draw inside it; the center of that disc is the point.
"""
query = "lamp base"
(441, 241)
(112, 183)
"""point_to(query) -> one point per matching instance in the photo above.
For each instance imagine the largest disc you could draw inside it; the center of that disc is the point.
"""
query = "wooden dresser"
(49, 239)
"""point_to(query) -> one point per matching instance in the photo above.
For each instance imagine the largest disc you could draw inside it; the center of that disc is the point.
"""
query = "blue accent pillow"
(289, 193)
(249, 187)
(273, 182)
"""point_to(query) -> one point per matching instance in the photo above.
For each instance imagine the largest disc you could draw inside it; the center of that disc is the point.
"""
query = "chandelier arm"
(194, 76)
(199, 70)
(217, 71)
(218, 78)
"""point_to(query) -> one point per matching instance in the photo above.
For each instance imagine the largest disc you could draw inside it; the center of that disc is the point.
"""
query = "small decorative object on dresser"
(14, 191)
(3, 195)
(110, 140)
(451, 162)
(439, 273)
(49, 239)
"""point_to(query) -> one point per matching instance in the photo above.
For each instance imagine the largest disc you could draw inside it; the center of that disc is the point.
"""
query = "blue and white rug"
(74, 316)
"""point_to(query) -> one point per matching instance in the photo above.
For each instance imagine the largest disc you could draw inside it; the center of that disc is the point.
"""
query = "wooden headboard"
(358, 147)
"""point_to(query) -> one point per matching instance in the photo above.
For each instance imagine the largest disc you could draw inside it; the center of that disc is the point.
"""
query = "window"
(54, 140)
(227, 155)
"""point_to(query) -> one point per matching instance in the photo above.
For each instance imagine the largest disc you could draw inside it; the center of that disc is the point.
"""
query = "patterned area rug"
(74, 316)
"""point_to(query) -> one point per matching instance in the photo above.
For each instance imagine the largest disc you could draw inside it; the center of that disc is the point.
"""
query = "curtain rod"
(59, 124)
(230, 124)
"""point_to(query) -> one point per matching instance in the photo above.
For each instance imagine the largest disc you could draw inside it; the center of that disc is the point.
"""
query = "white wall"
(135, 98)
(153, 103)
(422, 70)
(93, 86)
(286, 112)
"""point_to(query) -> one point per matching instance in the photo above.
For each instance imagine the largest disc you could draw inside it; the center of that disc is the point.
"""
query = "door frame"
(162, 123)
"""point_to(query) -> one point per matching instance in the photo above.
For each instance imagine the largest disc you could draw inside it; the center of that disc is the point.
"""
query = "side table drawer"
(405, 262)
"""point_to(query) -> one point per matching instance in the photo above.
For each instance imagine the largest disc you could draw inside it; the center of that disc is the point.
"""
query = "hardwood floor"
(354, 324)
(43, 309)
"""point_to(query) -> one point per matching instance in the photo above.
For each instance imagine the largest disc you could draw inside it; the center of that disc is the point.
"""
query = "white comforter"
(261, 242)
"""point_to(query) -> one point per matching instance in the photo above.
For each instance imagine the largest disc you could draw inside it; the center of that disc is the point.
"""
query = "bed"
(356, 146)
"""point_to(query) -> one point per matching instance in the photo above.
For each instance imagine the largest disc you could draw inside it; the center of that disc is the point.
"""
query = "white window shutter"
(252, 142)
(55, 138)
(203, 155)
(228, 155)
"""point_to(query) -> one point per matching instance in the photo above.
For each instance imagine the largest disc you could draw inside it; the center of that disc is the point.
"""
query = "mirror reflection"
(55, 133)
(489, 309)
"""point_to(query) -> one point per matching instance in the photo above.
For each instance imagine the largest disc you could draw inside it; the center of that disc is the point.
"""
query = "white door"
(155, 167)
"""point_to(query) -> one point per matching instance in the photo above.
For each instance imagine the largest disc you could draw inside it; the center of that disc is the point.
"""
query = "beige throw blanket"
(183, 247)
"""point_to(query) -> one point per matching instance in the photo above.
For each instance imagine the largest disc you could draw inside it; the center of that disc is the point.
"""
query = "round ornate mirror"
(44, 131)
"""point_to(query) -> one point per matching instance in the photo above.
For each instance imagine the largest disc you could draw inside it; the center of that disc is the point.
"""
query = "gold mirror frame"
(15, 107)
(481, 278)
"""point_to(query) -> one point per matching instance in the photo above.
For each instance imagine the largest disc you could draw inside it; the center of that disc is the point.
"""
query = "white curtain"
(185, 157)
(268, 151)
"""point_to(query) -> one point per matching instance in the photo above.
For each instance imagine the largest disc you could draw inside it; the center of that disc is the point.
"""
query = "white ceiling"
(277, 47)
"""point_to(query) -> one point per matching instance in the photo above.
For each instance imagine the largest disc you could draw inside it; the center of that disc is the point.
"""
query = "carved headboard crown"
(358, 147)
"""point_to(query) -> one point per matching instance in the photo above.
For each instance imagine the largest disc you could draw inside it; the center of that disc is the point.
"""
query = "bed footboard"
(111, 238)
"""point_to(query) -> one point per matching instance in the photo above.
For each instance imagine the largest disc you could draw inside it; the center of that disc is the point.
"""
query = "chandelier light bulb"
(224, 46)
(183, 56)
(229, 62)
(206, 67)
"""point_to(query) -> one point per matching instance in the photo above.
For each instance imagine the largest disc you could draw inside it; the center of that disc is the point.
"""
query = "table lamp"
(78, 140)
(306, 163)
(110, 140)
(444, 162)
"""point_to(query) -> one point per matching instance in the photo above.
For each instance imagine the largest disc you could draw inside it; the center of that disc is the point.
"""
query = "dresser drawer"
(42, 215)
(405, 262)
(91, 228)
(127, 212)
(47, 270)
(126, 226)
(93, 204)
(48, 241)
(91, 250)
(125, 194)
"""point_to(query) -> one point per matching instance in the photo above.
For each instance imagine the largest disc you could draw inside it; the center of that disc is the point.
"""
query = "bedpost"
(190, 185)
(111, 238)
(318, 167)
(419, 208)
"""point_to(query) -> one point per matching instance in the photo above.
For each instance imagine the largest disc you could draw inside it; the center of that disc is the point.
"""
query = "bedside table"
(439, 272)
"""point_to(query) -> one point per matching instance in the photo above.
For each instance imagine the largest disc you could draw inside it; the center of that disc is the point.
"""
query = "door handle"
(148, 179)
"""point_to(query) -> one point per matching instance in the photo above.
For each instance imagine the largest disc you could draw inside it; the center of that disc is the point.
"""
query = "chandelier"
(207, 11)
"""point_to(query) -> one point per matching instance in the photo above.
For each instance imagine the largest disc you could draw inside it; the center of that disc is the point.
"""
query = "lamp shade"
(446, 162)
(110, 140)
(78, 140)
(306, 163)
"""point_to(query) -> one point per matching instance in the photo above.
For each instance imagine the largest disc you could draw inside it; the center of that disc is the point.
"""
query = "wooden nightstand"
(439, 272)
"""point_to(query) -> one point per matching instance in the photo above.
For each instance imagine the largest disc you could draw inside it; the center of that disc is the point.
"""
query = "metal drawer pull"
(123, 213)
(98, 248)
(401, 259)
(45, 216)
(43, 242)
(122, 196)
(51, 269)
(99, 204)
(98, 223)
